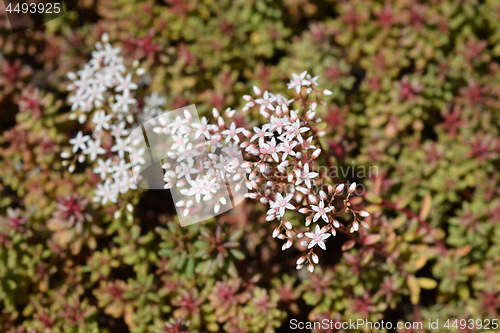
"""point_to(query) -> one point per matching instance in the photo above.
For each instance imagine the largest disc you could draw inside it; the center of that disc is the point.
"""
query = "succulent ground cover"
(407, 109)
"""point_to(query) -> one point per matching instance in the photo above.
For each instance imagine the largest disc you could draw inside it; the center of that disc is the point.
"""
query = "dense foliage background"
(415, 94)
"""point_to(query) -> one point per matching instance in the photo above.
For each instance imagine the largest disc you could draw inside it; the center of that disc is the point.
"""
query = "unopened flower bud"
(310, 115)
(216, 113)
(314, 105)
(326, 92)
(355, 225)
(336, 224)
(330, 189)
(301, 260)
(303, 210)
(117, 214)
(315, 258)
(308, 221)
(300, 235)
(352, 188)
(105, 37)
(276, 232)
(316, 153)
(364, 213)
(299, 267)
(257, 91)
(322, 194)
(247, 98)
(310, 267)
(289, 244)
(288, 225)
(281, 236)
(313, 198)
(65, 154)
(303, 243)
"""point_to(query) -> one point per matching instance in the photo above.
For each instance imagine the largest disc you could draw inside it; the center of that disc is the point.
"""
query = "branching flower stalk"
(281, 173)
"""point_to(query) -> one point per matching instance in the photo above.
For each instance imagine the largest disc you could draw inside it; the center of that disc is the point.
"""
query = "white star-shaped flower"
(283, 203)
(79, 141)
(317, 237)
(321, 211)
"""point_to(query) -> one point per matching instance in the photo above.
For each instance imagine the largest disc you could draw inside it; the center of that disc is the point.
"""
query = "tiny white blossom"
(317, 237)
(79, 141)
(283, 203)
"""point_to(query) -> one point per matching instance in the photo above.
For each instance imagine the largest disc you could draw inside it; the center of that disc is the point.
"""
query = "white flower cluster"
(282, 176)
(202, 159)
(105, 90)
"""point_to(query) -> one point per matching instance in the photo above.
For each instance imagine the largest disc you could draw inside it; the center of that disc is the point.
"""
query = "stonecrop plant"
(201, 158)
(103, 207)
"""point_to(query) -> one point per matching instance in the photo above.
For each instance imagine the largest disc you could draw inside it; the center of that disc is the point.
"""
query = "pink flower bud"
(300, 235)
(310, 115)
(257, 91)
(247, 98)
(299, 267)
(336, 224)
(315, 258)
(314, 105)
(288, 225)
(322, 194)
(303, 210)
(334, 232)
(303, 243)
(326, 92)
(352, 188)
(308, 221)
(313, 198)
(264, 200)
(293, 116)
(281, 236)
(316, 153)
(364, 213)
(355, 225)
(330, 189)
(221, 122)
(289, 244)
(216, 113)
(278, 111)
(310, 267)
(276, 232)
